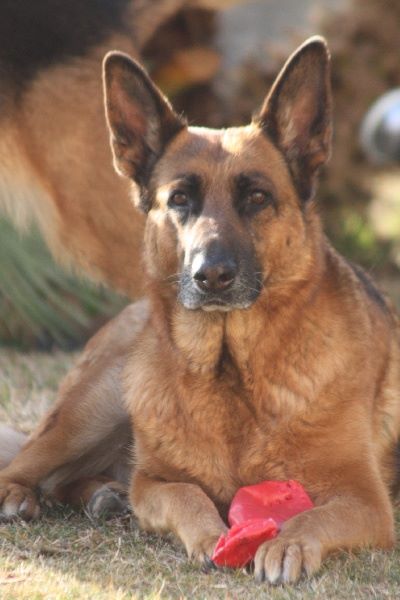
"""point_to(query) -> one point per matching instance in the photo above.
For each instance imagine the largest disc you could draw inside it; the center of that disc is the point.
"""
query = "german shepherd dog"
(259, 352)
(55, 165)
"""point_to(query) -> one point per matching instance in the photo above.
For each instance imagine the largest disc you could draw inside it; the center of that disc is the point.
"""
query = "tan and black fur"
(259, 352)
(55, 167)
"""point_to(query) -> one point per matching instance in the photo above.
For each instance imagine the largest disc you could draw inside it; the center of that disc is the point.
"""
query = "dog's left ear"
(139, 116)
(296, 114)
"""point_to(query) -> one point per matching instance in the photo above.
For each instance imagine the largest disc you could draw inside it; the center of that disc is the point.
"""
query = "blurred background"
(216, 66)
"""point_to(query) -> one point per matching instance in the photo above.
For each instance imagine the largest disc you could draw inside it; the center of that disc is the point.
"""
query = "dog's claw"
(259, 576)
(208, 565)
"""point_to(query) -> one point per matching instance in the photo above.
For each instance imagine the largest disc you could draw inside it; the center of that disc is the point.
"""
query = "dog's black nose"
(213, 276)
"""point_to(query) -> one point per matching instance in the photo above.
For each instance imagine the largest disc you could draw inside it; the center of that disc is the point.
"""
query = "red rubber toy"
(255, 516)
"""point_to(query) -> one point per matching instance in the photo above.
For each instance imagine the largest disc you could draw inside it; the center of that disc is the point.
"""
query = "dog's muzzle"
(216, 281)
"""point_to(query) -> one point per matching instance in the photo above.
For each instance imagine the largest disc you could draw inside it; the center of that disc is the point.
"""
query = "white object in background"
(380, 129)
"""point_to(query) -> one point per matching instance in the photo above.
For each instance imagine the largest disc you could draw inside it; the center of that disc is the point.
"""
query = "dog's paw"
(107, 502)
(202, 550)
(285, 558)
(18, 501)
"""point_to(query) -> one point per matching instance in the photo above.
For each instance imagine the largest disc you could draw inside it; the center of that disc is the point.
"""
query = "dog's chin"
(216, 308)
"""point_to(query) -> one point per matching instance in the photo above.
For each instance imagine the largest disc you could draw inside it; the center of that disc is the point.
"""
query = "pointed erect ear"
(140, 118)
(296, 114)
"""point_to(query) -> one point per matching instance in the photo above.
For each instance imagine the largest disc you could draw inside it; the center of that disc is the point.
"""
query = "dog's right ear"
(140, 118)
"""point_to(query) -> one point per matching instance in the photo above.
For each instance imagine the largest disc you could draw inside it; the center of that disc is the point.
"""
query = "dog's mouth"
(216, 306)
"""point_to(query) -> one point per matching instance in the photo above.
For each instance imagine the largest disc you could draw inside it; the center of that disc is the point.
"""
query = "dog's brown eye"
(253, 201)
(258, 198)
(178, 199)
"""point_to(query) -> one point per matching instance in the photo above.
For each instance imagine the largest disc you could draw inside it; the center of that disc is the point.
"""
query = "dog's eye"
(178, 200)
(253, 201)
(258, 198)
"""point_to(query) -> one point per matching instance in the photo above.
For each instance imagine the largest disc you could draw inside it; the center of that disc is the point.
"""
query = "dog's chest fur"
(206, 434)
(221, 428)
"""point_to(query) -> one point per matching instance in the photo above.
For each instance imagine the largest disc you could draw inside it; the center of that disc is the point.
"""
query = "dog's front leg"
(350, 518)
(181, 508)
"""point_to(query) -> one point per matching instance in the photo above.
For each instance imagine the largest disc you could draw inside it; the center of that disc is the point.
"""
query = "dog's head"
(229, 211)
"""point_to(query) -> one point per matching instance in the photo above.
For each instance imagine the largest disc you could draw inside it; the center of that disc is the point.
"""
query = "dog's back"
(55, 163)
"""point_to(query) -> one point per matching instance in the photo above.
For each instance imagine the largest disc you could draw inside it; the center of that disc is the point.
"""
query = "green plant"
(41, 304)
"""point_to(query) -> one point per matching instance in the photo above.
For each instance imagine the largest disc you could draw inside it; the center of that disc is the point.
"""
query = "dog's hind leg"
(88, 431)
(100, 496)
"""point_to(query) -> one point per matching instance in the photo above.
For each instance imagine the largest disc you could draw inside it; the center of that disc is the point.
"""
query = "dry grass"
(66, 556)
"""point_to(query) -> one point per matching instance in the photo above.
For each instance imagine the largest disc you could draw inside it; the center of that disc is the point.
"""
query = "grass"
(65, 556)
